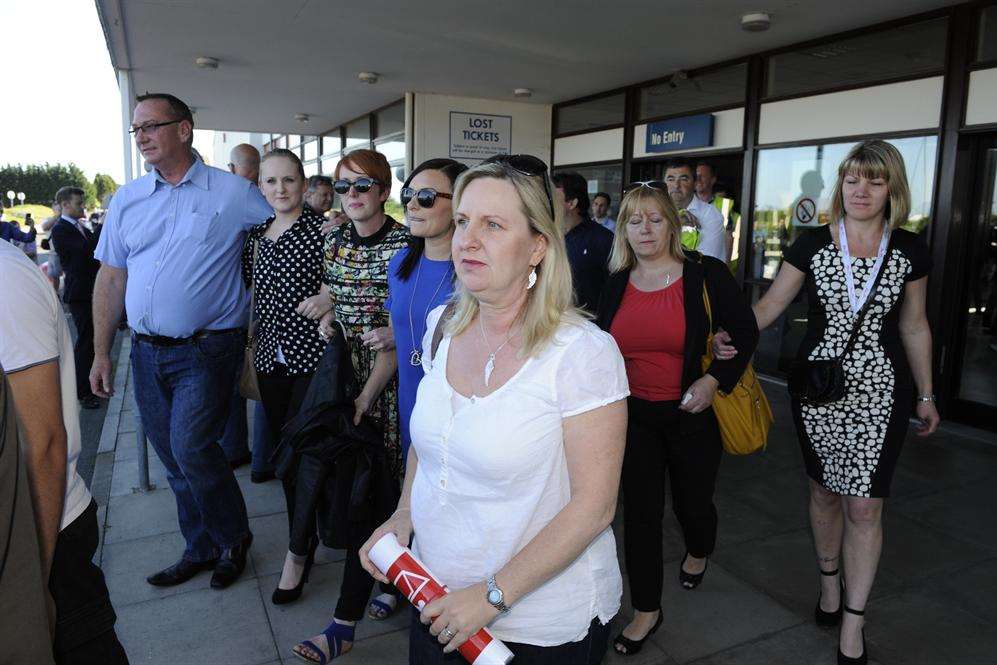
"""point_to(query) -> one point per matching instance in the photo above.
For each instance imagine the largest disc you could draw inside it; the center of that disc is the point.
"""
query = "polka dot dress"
(286, 271)
(851, 446)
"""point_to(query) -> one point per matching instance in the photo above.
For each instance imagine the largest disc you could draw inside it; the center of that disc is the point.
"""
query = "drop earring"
(532, 279)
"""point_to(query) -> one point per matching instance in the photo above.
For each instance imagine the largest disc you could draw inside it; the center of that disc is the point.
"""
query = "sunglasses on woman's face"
(650, 184)
(362, 185)
(425, 197)
(526, 165)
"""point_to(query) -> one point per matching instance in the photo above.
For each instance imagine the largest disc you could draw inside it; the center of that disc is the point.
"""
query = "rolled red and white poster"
(420, 586)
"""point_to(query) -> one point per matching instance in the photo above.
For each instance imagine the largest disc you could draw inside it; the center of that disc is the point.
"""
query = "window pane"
(358, 133)
(392, 148)
(681, 95)
(282, 141)
(905, 51)
(589, 115)
(793, 190)
(311, 150)
(329, 165)
(987, 49)
(311, 168)
(393, 206)
(332, 143)
(778, 343)
(391, 120)
(607, 178)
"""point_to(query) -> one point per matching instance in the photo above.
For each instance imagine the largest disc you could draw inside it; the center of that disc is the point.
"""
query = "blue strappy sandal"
(378, 610)
(335, 635)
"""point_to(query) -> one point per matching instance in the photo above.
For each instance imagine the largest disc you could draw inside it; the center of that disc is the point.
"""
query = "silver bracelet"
(925, 398)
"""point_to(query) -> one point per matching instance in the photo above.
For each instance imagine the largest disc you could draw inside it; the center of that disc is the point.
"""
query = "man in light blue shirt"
(170, 253)
(600, 211)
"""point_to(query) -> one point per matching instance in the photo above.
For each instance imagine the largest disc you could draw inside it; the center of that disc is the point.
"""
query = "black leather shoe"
(179, 572)
(231, 564)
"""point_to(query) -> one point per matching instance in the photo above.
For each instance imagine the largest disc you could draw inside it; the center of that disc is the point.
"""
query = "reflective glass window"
(606, 178)
(907, 50)
(592, 114)
(392, 148)
(311, 168)
(683, 93)
(793, 189)
(391, 120)
(332, 143)
(310, 150)
(358, 133)
(986, 50)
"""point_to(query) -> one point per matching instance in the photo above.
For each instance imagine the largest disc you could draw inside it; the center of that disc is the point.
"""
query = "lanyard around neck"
(857, 301)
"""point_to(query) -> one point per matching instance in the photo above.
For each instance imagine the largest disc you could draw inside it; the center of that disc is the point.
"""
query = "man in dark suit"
(75, 243)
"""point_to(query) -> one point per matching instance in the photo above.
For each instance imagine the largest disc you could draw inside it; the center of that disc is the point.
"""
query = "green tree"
(104, 185)
(40, 182)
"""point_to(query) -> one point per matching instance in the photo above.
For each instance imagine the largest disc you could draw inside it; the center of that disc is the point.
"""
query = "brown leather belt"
(161, 340)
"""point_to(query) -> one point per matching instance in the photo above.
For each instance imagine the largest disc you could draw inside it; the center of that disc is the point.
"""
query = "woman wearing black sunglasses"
(653, 305)
(356, 273)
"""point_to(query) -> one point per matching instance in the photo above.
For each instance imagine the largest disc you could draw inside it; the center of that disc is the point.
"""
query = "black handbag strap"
(438, 331)
(865, 307)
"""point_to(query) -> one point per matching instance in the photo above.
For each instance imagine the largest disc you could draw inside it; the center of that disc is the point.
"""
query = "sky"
(60, 93)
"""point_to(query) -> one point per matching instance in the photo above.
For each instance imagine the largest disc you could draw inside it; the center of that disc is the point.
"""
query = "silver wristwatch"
(495, 596)
(925, 398)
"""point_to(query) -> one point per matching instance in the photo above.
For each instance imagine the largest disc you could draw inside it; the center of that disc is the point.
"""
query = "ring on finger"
(448, 634)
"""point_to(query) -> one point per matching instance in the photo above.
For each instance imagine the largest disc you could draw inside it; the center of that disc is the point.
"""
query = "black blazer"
(730, 312)
(75, 252)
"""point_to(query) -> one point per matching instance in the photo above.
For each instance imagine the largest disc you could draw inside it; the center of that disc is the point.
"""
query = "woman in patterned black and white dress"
(850, 447)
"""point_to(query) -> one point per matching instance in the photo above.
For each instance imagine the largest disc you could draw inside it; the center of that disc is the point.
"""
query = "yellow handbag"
(744, 414)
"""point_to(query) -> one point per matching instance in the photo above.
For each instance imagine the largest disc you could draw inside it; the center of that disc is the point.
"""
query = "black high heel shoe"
(829, 619)
(858, 660)
(285, 596)
(690, 581)
(633, 647)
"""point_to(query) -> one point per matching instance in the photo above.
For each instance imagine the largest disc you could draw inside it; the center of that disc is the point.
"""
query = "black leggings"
(655, 447)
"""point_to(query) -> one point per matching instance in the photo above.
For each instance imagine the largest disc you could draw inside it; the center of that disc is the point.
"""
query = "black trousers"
(83, 348)
(84, 630)
(656, 448)
(424, 649)
(282, 395)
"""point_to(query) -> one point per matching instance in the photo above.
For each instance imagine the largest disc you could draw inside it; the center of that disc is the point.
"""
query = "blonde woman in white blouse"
(517, 439)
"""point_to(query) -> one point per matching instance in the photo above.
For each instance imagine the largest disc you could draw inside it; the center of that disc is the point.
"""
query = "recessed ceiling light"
(522, 92)
(756, 21)
(368, 77)
(301, 117)
(204, 62)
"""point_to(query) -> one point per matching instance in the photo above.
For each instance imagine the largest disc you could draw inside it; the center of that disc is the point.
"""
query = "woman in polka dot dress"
(850, 447)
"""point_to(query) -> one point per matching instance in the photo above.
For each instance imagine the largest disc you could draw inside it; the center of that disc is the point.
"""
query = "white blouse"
(492, 473)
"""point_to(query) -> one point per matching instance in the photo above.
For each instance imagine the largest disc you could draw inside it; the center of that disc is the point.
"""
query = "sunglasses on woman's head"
(650, 184)
(526, 165)
(425, 197)
(362, 185)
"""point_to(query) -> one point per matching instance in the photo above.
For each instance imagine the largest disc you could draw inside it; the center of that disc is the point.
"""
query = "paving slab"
(916, 629)
(126, 564)
(262, 498)
(966, 512)
(783, 496)
(132, 516)
(389, 649)
(218, 627)
(126, 476)
(800, 645)
(720, 613)
(971, 589)
(913, 551)
(270, 545)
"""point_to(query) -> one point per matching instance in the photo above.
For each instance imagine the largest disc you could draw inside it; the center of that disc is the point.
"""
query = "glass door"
(976, 392)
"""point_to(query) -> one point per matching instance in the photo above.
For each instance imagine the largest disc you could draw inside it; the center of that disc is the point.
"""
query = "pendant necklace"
(490, 365)
(415, 358)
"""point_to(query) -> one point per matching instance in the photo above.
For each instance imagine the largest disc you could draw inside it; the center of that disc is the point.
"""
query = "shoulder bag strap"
(853, 337)
(251, 327)
(438, 332)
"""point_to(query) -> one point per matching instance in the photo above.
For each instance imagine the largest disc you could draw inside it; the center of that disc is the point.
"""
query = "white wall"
(883, 108)
(728, 132)
(530, 124)
(981, 107)
(592, 147)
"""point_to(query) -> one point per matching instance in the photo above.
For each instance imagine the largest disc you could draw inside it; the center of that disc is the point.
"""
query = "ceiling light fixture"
(368, 77)
(301, 117)
(522, 92)
(204, 62)
(756, 21)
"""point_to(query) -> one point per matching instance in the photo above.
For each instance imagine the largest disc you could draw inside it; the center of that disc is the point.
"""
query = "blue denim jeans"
(263, 441)
(235, 439)
(184, 395)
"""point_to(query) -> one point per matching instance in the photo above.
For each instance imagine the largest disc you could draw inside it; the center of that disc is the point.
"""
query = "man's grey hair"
(317, 181)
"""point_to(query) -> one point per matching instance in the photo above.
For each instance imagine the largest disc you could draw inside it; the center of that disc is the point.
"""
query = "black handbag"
(823, 381)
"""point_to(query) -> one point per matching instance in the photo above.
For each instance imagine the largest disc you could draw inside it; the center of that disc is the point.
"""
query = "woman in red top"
(653, 305)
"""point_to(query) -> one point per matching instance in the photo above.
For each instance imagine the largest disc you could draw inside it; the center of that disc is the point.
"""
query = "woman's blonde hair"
(623, 256)
(875, 159)
(551, 300)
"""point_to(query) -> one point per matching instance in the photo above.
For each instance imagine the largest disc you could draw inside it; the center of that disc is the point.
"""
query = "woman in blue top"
(420, 278)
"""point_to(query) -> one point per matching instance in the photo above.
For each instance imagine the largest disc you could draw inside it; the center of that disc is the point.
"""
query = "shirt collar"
(196, 175)
(74, 222)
